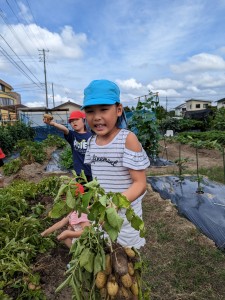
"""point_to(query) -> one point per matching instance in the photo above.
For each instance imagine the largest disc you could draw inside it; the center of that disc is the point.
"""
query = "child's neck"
(102, 140)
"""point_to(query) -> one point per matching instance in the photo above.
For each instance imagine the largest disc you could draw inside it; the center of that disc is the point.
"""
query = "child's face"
(102, 118)
(77, 124)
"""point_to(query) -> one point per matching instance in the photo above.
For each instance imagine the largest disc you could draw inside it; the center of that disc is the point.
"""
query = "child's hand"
(47, 119)
(44, 233)
(64, 235)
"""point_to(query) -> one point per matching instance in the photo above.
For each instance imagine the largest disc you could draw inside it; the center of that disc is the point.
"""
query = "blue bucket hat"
(103, 92)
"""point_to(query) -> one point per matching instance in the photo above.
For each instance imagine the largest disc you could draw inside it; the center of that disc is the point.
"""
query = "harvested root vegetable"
(31, 286)
(131, 268)
(134, 288)
(108, 266)
(129, 252)
(101, 279)
(126, 280)
(119, 261)
(112, 287)
(124, 294)
(48, 117)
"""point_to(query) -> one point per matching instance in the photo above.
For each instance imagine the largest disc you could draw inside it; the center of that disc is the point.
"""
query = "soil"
(52, 266)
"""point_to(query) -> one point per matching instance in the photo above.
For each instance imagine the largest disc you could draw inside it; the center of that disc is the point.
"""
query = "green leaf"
(129, 214)
(59, 209)
(120, 200)
(90, 264)
(98, 263)
(103, 200)
(112, 232)
(84, 257)
(70, 199)
(61, 191)
(113, 218)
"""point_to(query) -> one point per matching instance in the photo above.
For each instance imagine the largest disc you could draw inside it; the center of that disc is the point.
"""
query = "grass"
(181, 263)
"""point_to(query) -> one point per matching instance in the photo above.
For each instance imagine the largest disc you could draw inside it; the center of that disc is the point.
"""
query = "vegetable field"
(178, 261)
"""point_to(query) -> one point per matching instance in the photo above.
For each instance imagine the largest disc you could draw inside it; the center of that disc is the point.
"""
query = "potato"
(31, 286)
(124, 294)
(108, 266)
(100, 280)
(126, 280)
(134, 288)
(112, 287)
(129, 252)
(48, 117)
(131, 268)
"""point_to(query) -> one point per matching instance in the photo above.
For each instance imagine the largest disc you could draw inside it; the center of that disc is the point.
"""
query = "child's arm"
(56, 226)
(138, 187)
(61, 127)
(71, 233)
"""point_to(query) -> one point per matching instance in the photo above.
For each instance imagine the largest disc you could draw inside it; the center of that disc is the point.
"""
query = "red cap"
(77, 114)
(2, 155)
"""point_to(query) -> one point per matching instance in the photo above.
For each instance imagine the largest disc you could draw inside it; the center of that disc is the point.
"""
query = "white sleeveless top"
(110, 164)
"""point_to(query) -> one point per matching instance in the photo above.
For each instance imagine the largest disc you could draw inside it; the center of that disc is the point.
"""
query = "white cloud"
(35, 104)
(200, 62)
(166, 83)
(24, 12)
(129, 84)
(207, 80)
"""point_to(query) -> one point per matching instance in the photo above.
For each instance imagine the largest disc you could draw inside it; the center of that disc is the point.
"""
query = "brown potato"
(48, 117)
(112, 287)
(129, 252)
(134, 288)
(126, 280)
(108, 266)
(100, 280)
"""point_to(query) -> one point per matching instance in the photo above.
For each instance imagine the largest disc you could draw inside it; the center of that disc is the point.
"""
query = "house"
(221, 103)
(60, 116)
(9, 102)
(195, 104)
(180, 110)
(34, 115)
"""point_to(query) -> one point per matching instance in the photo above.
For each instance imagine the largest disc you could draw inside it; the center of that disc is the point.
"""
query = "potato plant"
(99, 268)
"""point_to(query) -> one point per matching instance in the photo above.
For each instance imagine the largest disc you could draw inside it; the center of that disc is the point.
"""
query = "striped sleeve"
(135, 160)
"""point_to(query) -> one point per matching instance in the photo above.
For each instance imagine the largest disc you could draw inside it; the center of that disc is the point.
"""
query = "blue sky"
(175, 48)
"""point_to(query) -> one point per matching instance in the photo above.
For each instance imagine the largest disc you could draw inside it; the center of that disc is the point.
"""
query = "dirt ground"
(52, 266)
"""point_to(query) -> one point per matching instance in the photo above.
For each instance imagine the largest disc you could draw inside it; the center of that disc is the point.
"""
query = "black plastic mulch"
(206, 210)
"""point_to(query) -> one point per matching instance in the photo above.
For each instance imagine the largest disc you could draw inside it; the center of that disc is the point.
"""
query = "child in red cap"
(77, 138)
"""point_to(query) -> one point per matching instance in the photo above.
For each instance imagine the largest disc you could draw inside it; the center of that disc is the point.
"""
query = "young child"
(117, 159)
(74, 230)
(77, 138)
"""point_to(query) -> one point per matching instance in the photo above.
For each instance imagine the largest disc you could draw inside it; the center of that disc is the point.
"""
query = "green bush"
(10, 134)
(66, 158)
(180, 125)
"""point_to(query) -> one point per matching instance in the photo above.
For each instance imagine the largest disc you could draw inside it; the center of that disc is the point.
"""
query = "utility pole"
(166, 103)
(46, 88)
(53, 96)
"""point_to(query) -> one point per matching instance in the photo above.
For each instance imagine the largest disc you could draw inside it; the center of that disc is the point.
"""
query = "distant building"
(221, 103)
(9, 102)
(34, 115)
(180, 110)
(195, 104)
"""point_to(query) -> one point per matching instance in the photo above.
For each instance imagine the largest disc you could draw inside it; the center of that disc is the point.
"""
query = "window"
(205, 105)
(197, 106)
(190, 106)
